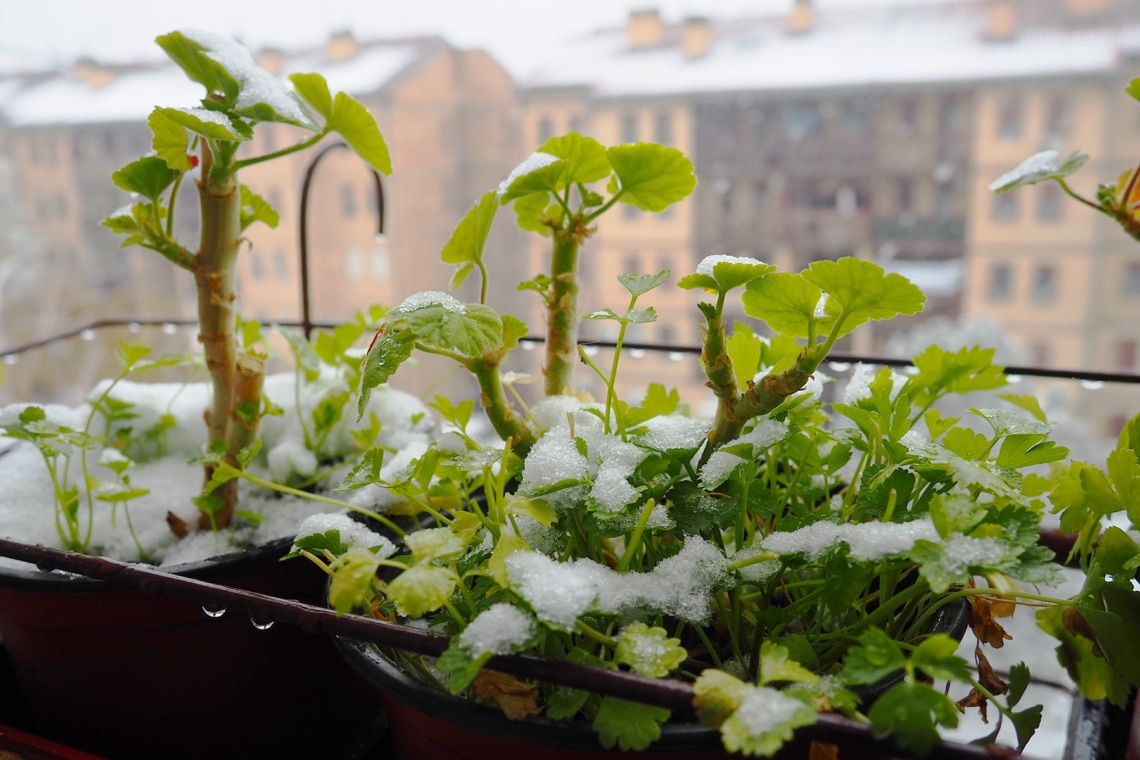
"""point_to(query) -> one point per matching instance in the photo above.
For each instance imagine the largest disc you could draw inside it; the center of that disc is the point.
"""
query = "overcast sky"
(39, 32)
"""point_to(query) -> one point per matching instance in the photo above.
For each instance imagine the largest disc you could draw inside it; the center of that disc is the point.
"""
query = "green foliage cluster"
(831, 534)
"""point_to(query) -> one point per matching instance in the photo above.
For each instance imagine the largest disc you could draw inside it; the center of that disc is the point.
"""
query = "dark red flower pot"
(129, 675)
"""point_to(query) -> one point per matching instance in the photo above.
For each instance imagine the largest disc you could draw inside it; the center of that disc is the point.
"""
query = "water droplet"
(134, 327)
(87, 335)
(1013, 378)
(526, 345)
(260, 623)
(592, 351)
(213, 610)
(11, 359)
(911, 370)
(637, 353)
(169, 328)
(1092, 385)
(676, 356)
(839, 366)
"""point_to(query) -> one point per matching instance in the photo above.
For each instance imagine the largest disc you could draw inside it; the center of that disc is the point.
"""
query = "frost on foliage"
(867, 541)
(675, 432)
(500, 629)
(432, 298)
(258, 86)
(649, 651)
(859, 384)
(612, 489)
(1036, 167)
(559, 592)
(765, 720)
(709, 262)
(375, 496)
(352, 533)
(531, 163)
(552, 459)
(721, 464)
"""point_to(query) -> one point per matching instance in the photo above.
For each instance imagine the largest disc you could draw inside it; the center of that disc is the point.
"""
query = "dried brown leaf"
(516, 698)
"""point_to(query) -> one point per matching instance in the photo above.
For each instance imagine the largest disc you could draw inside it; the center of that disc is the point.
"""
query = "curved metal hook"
(306, 319)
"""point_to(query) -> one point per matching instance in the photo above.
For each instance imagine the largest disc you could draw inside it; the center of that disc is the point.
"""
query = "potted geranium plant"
(145, 471)
(783, 557)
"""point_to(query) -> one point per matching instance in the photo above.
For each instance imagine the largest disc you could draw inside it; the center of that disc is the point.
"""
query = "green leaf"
(470, 236)
(565, 703)
(1025, 723)
(421, 589)
(585, 158)
(209, 124)
(314, 90)
(967, 444)
(785, 301)
(657, 402)
(744, 349)
(860, 290)
(1094, 675)
(542, 181)
(632, 726)
(1019, 451)
(254, 208)
(875, 657)
(170, 140)
(936, 424)
(640, 284)
(441, 322)
(359, 129)
(200, 67)
(911, 712)
(765, 720)
(728, 272)
(304, 356)
(148, 176)
(1019, 678)
(776, 665)
(1027, 402)
(354, 573)
(391, 347)
(936, 659)
(318, 543)
(535, 212)
(462, 667)
(1006, 422)
(1038, 168)
(649, 651)
(652, 177)
(1133, 88)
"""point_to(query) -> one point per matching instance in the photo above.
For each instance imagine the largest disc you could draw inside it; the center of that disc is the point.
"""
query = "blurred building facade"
(449, 118)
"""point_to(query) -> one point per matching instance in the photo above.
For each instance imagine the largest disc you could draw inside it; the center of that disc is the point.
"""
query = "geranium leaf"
(148, 176)
(1037, 168)
(254, 208)
(314, 90)
(585, 158)
(744, 349)
(421, 589)
(652, 177)
(465, 247)
(640, 284)
(358, 127)
(785, 301)
(860, 290)
(391, 347)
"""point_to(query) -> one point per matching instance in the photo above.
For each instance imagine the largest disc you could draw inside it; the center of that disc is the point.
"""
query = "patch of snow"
(352, 533)
(428, 298)
(1033, 168)
(531, 163)
(500, 629)
(708, 263)
(867, 541)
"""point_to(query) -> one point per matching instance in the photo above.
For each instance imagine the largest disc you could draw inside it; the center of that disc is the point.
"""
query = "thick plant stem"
(241, 432)
(507, 423)
(562, 313)
(220, 206)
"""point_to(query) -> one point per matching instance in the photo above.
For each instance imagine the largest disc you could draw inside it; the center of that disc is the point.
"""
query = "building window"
(663, 128)
(950, 115)
(1005, 207)
(280, 266)
(759, 194)
(908, 118)
(946, 199)
(1057, 117)
(1131, 282)
(575, 123)
(855, 118)
(545, 130)
(1001, 282)
(905, 191)
(667, 334)
(664, 263)
(353, 263)
(1044, 287)
(1126, 354)
(1010, 117)
(629, 132)
(1040, 353)
(1050, 205)
(379, 263)
(801, 121)
(632, 263)
(256, 266)
(630, 213)
(348, 200)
